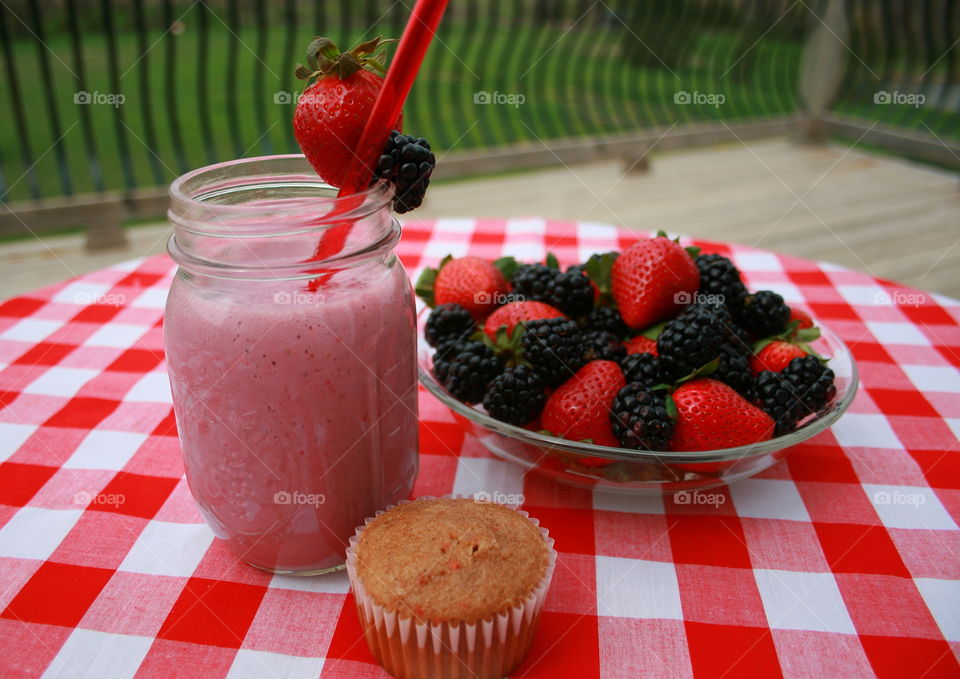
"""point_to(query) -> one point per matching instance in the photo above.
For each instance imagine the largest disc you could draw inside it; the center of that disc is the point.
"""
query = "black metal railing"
(115, 95)
(904, 65)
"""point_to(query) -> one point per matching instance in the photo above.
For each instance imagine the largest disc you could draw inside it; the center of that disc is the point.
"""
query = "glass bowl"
(641, 471)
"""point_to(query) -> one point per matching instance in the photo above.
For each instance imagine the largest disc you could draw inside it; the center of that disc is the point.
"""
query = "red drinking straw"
(403, 70)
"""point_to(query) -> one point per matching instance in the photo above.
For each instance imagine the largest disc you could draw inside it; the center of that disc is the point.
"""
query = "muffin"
(449, 588)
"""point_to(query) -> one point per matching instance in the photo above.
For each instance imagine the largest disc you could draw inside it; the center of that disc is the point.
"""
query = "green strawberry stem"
(653, 332)
(599, 268)
(795, 335)
(424, 287)
(703, 371)
(324, 58)
(671, 407)
(507, 347)
(692, 250)
(507, 266)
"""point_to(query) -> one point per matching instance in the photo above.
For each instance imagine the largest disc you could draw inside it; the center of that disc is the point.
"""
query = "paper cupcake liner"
(484, 649)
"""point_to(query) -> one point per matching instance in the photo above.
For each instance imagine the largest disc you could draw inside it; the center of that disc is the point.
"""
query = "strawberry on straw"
(403, 70)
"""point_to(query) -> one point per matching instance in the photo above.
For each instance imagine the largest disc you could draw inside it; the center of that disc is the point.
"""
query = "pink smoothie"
(297, 417)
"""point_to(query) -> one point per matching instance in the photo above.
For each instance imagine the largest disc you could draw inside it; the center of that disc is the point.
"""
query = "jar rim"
(192, 207)
(297, 269)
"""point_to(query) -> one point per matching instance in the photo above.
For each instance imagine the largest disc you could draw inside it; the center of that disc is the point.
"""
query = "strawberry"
(775, 356)
(579, 409)
(711, 415)
(653, 280)
(510, 314)
(332, 111)
(775, 353)
(802, 317)
(474, 283)
(641, 345)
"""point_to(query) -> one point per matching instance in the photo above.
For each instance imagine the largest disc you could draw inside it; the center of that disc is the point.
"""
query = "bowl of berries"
(649, 370)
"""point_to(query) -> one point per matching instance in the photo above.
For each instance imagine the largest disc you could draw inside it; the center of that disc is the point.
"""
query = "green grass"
(574, 83)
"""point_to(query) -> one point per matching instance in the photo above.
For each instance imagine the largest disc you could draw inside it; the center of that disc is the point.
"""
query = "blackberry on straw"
(407, 162)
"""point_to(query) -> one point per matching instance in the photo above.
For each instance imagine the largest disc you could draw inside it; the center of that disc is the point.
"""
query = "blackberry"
(598, 268)
(572, 294)
(774, 397)
(442, 357)
(763, 313)
(719, 278)
(606, 319)
(802, 388)
(734, 369)
(602, 346)
(643, 369)
(639, 418)
(554, 347)
(516, 396)
(700, 334)
(569, 292)
(472, 367)
(812, 381)
(532, 281)
(407, 162)
(448, 322)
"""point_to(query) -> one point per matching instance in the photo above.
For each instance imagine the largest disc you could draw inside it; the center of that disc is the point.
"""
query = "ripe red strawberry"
(332, 111)
(653, 280)
(580, 407)
(641, 345)
(802, 316)
(775, 356)
(711, 415)
(472, 282)
(514, 312)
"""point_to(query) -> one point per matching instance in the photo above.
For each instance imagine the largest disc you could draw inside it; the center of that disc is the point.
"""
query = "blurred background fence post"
(822, 68)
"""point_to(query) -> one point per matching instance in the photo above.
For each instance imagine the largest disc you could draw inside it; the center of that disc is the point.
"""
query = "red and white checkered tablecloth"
(844, 560)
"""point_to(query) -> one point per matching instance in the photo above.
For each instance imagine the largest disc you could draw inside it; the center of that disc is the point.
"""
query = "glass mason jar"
(294, 380)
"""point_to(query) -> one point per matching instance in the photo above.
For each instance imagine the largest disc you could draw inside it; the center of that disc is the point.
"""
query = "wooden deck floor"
(875, 214)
